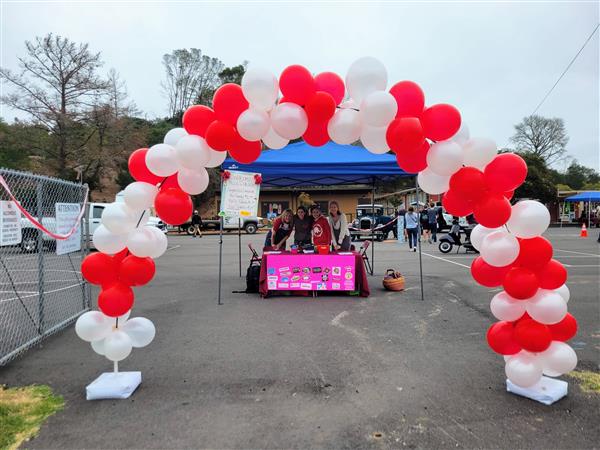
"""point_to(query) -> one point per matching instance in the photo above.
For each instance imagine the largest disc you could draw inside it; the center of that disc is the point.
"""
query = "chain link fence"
(41, 292)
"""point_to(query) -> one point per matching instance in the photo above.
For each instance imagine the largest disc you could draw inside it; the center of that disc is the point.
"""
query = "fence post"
(40, 249)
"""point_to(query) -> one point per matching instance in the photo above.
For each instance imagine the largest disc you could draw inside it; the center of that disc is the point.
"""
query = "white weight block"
(546, 391)
(113, 385)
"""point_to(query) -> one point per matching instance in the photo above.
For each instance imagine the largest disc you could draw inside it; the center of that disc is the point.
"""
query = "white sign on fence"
(10, 223)
(240, 194)
(66, 218)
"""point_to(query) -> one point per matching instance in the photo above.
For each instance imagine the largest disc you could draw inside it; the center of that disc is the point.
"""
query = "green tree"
(546, 138)
(540, 183)
(577, 176)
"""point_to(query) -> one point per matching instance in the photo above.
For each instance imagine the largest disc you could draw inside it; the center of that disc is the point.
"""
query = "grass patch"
(589, 381)
(22, 412)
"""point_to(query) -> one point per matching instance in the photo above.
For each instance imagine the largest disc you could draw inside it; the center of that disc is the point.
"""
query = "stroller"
(448, 241)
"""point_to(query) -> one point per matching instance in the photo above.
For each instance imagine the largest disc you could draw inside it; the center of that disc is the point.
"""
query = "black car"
(367, 224)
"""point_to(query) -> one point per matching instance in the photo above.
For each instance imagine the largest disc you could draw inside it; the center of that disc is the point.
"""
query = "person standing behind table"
(281, 231)
(321, 231)
(196, 224)
(432, 219)
(302, 227)
(411, 219)
(339, 228)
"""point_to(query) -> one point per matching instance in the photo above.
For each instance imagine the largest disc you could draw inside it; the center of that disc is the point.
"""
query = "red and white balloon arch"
(431, 141)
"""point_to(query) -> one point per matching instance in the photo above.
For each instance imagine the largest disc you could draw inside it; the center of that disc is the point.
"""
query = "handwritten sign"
(66, 217)
(10, 223)
(240, 195)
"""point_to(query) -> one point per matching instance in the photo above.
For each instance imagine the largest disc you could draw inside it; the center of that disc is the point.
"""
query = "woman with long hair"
(302, 227)
(281, 231)
(340, 234)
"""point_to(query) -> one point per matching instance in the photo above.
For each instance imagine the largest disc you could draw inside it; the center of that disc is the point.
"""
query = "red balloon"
(505, 172)
(197, 118)
(501, 338)
(492, 211)
(118, 257)
(534, 253)
(565, 329)
(173, 206)
(138, 168)
(405, 135)
(245, 152)
(332, 84)
(135, 271)
(220, 135)
(316, 134)
(487, 275)
(521, 283)
(509, 194)
(297, 84)
(115, 300)
(468, 183)
(553, 275)
(456, 204)
(440, 121)
(229, 102)
(99, 268)
(320, 107)
(170, 182)
(413, 161)
(532, 336)
(409, 97)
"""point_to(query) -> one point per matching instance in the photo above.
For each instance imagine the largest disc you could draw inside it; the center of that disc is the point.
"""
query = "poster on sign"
(66, 216)
(240, 195)
(10, 223)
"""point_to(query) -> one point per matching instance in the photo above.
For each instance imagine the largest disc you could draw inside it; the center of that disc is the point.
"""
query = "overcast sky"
(494, 60)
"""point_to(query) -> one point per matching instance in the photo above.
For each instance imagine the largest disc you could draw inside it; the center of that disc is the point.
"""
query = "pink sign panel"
(311, 272)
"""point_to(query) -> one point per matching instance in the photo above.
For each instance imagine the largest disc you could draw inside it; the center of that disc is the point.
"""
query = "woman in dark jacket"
(302, 227)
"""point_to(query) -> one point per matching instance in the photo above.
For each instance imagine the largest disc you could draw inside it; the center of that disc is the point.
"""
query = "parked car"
(29, 232)
(250, 224)
(368, 219)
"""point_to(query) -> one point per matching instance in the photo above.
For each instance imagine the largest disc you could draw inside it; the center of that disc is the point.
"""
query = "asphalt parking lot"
(390, 371)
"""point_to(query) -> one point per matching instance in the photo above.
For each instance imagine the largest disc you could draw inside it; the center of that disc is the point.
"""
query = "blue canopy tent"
(301, 165)
(589, 197)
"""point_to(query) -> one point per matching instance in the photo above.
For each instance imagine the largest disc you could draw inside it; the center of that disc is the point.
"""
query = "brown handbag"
(393, 281)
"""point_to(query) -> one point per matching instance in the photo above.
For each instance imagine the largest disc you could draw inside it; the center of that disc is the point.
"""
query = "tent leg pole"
(240, 243)
(220, 257)
(419, 240)
(373, 229)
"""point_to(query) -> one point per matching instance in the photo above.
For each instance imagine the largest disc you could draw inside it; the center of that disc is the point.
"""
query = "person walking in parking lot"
(197, 224)
(432, 213)
(411, 219)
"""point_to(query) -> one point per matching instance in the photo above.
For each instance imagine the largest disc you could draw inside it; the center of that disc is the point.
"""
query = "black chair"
(363, 253)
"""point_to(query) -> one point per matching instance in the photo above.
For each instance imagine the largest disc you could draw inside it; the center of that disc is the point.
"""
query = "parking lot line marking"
(171, 248)
(582, 265)
(578, 253)
(37, 293)
(447, 260)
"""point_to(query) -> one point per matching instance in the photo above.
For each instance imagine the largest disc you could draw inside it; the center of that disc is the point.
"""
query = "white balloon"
(547, 307)
(192, 152)
(253, 124)
(479, 233)
(523, 369)
(108, 242)
(193, 182)
(140, 330)
(141, 242)
(345, 126)
(349, 104)
(445, 157)
(139, 195)
(432, 183)
(117, 345)
(260, 87)
(216, 158)
(92, 326)
(119, 218)
(564, 292)
(558, 359)
(173, 136)
(528, 219)
(374, 140)
(462, 135)
(98, 346)
(364, 76)
(499, 248)
(504, 307)
(161, 160)
(378, 109)
(160, 242)
(479, 152)
(289, 120)
(273, 140)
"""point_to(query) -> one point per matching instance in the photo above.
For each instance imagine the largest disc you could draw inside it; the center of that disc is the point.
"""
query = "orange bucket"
(323, 249)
